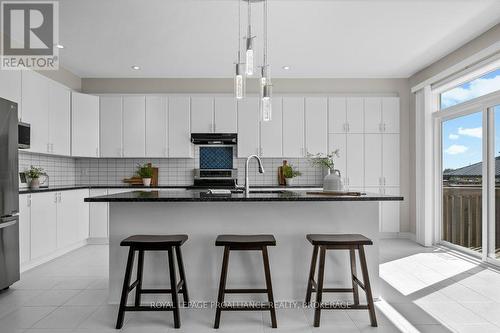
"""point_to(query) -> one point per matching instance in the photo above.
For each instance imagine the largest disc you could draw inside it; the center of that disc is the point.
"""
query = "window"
(484, 85)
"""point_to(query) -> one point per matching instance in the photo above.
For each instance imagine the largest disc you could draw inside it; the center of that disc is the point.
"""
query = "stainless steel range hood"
(214, 138)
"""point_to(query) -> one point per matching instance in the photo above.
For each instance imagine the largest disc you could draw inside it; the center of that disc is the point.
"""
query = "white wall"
(483, 41)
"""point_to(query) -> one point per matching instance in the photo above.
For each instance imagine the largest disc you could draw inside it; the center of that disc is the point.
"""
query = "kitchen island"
(288, 215)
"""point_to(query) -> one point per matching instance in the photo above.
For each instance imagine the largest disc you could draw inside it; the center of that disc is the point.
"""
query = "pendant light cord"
(239, 32)
(265, 36)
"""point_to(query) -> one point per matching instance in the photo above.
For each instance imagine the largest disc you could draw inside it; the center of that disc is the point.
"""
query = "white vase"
(146, 181)
(290, 181)
(333, 182)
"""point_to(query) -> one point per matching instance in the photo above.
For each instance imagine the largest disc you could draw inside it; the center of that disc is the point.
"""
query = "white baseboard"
(400, 235)
(59, 252)
(98, 241)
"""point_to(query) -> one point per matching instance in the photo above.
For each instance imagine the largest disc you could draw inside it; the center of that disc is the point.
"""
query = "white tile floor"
(424, 290)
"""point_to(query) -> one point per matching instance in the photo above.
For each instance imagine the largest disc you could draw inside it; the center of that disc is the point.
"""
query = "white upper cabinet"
(373, 159)
(337, 111)
(179, 127)
(373, 115)
(156, 126)
(390, 114)
(225, 115)
(271, 132)
(10, 87)
(35, 105)
(134, 126)
(202, 115)
(84, 125)
(248, 127)
(110, 134)
(338, 141)
(390, 158)
(316, 125)
(59, 119)
(355, 160)
(354, 114)
(293, 127)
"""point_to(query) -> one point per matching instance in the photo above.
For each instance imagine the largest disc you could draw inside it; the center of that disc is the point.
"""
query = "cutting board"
(339, 193)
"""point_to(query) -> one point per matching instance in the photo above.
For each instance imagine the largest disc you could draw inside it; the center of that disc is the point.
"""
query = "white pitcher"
(333, 181)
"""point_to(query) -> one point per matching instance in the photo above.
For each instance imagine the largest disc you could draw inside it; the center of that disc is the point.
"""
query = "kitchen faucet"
(261, 170)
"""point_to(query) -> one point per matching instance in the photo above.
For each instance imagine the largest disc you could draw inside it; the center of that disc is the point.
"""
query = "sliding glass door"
(462, 181)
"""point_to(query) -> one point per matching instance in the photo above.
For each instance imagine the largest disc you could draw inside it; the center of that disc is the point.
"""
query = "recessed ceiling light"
(59, 46)
(136, 68)
(286, 68)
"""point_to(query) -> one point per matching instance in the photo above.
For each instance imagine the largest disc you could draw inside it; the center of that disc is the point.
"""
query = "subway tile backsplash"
(65, 171)
(61, 170)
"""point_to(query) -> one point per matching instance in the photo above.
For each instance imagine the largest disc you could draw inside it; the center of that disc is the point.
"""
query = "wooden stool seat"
(141, 243)
(151, 241)
(245, 243)
(350, 242)
(245, 240)
(338, 239)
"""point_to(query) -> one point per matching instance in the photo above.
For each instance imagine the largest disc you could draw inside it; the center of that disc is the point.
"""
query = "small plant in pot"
(332, 181)
(290, 173)
(146, 173)
(33, 175)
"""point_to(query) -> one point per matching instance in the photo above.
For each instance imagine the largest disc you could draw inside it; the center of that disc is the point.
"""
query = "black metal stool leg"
(140, 269)
(269, 287)
(312, 270)
(182, 274)
(173, 287)
(368, 288)
(355, 289)
(222, 286)
(319, 291)
(125, 288)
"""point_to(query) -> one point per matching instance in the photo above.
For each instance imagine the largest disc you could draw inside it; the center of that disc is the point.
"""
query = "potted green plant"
(333, 180)
(289, 172)
(146, 173)
(33, 175)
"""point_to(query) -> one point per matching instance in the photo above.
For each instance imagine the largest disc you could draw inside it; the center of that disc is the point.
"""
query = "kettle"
(333, 181)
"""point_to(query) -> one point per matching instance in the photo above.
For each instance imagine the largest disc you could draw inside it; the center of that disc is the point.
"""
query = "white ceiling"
(317, 38)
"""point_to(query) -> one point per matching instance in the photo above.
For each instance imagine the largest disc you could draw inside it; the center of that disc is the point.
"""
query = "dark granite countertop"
(201, 195)
(134, 187)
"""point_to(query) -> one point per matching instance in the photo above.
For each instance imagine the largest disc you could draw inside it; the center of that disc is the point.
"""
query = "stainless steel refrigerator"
(9, 195)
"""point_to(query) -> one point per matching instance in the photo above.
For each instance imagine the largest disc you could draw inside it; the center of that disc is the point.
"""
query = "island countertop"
(257, 195)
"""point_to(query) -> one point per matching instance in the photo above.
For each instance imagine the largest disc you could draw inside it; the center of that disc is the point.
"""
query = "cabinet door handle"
(97, 152)
(28, 200)
(55, 197)
(384, 127)
(48, 147)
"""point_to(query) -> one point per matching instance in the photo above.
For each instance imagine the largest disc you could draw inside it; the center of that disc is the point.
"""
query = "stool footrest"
(359, 283)
(246, 307)
(149, 308)
(245, 291)
(133, 285)
(343, 307)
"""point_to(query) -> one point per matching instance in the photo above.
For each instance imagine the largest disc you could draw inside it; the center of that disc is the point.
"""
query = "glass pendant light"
(249, 44)
(265, 80)
(239, 82)
(239, 79)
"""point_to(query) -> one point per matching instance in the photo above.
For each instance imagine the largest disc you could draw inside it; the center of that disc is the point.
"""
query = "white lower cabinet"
(50, 223)
(24, 227)
(98, 216)
(43, 224)
(390, 211)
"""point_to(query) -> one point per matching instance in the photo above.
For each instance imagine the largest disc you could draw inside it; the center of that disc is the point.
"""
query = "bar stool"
(351, 242)
(245, 243)
(141, 243)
